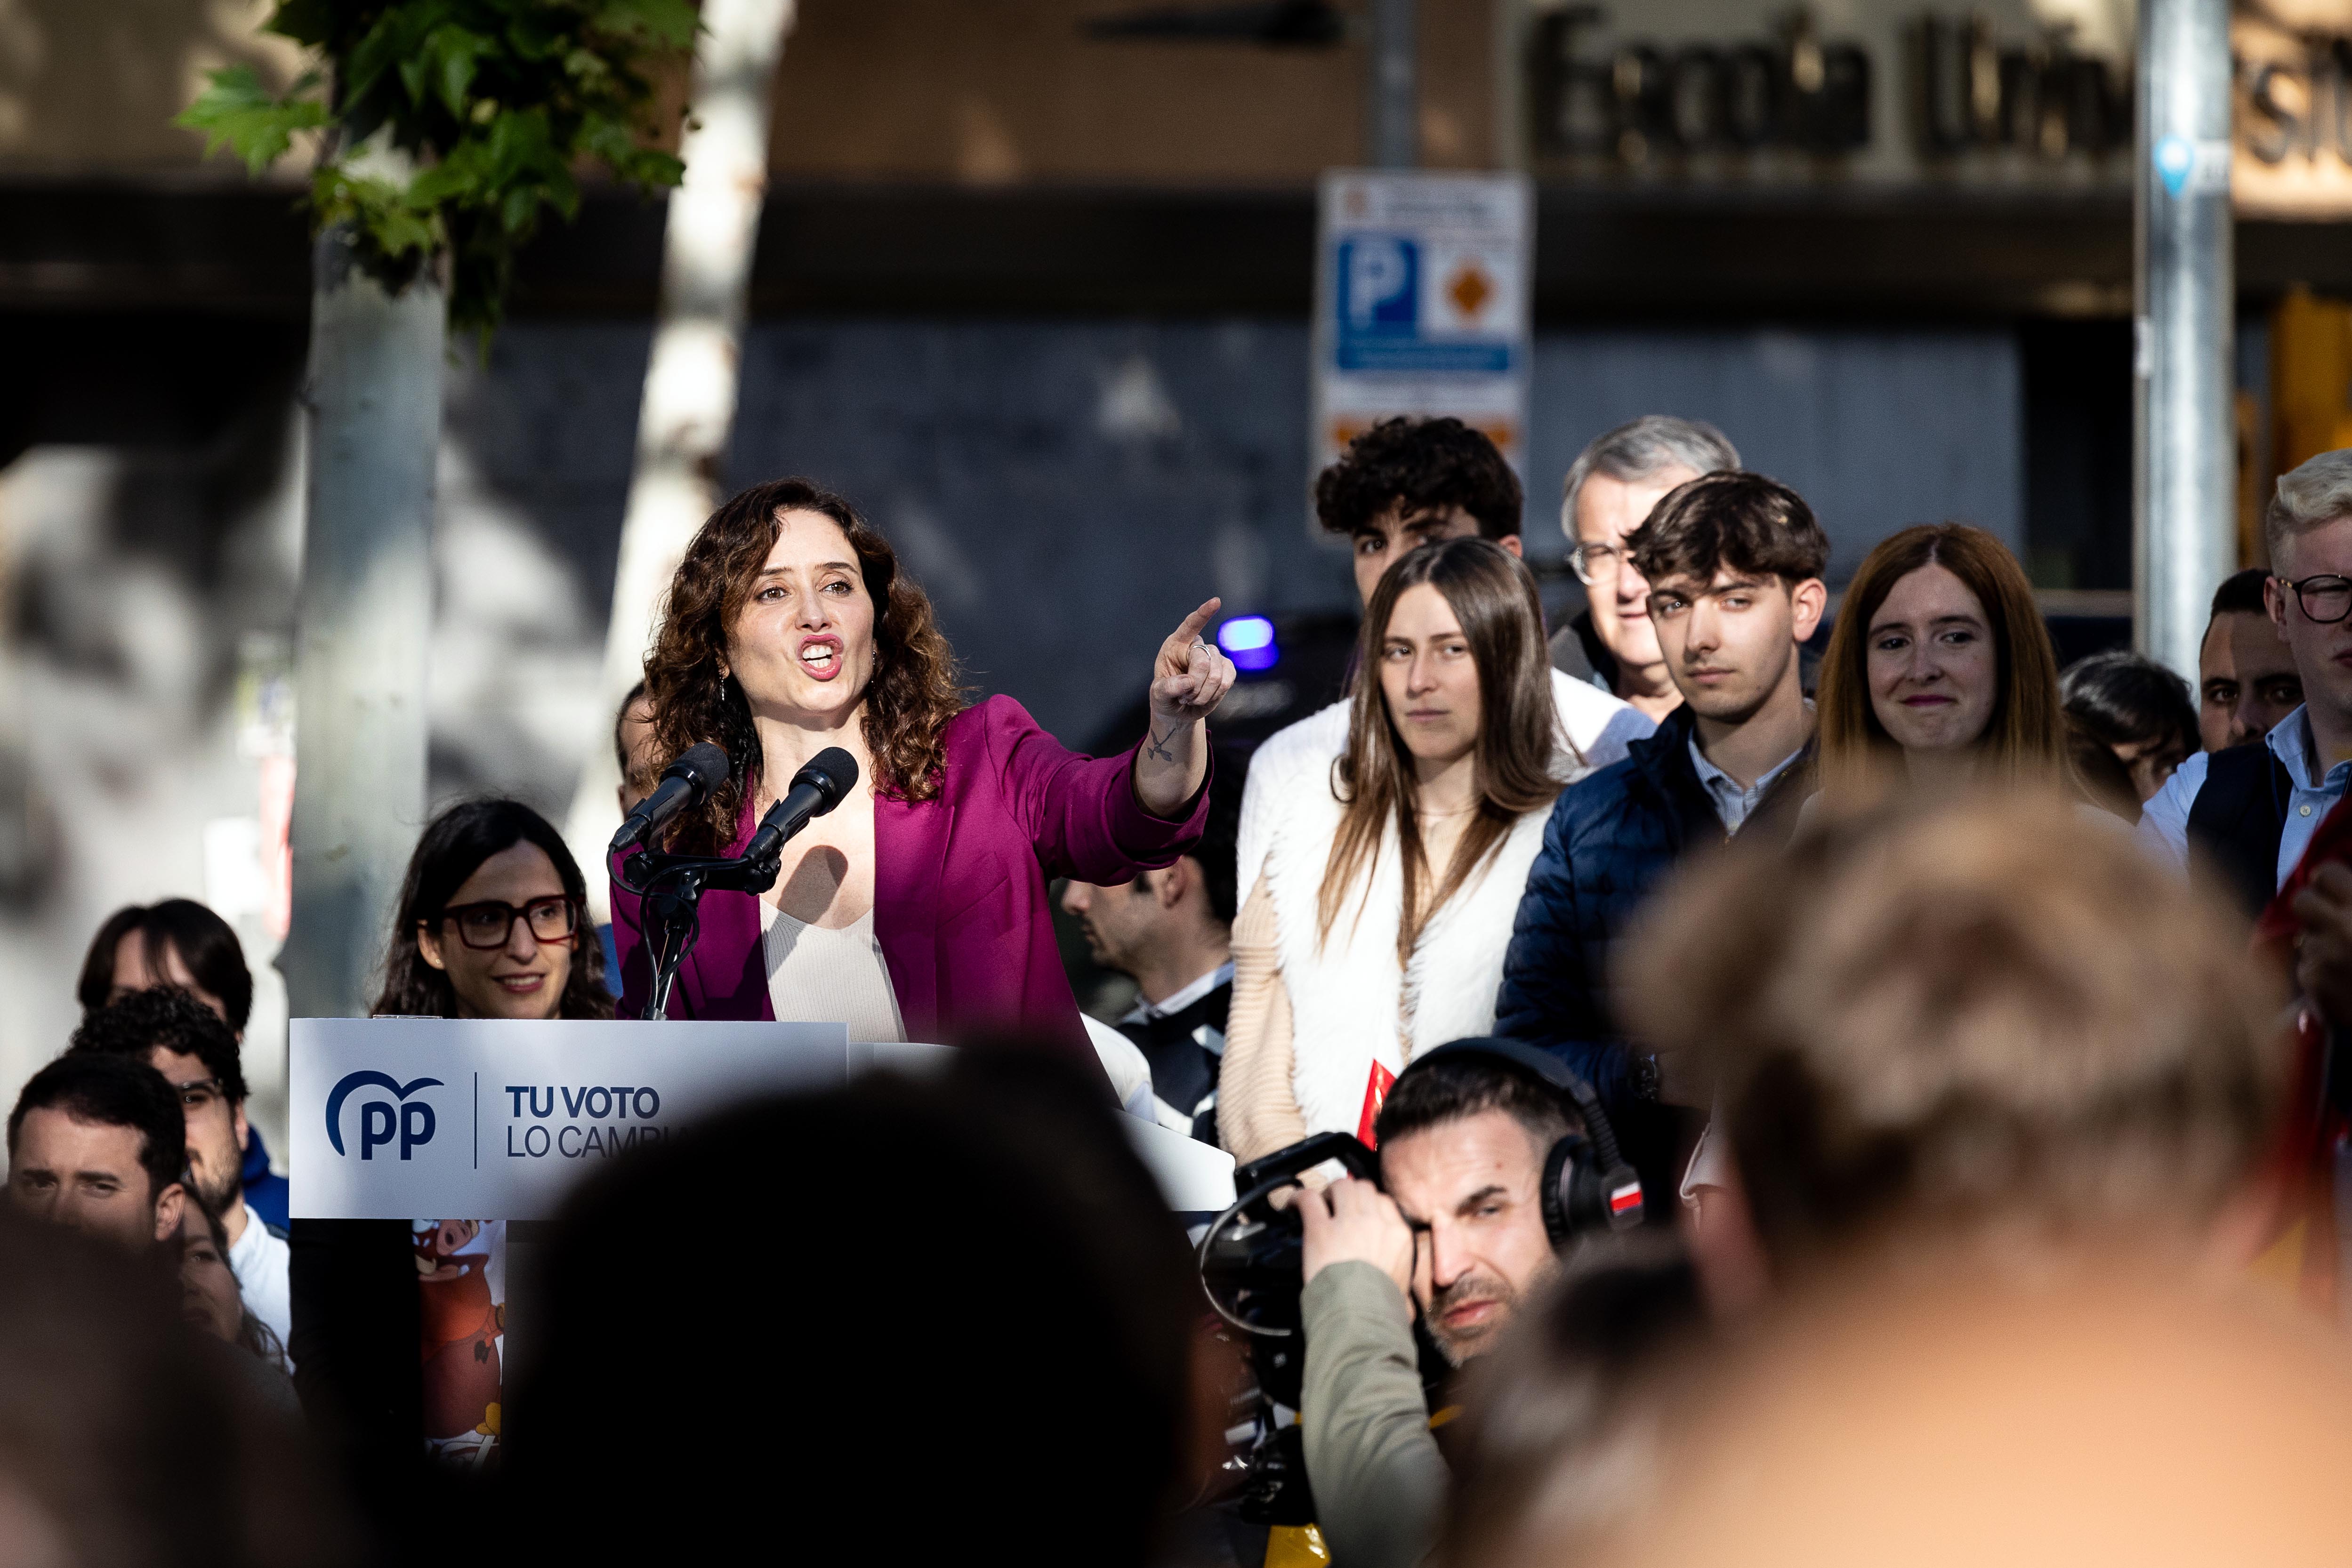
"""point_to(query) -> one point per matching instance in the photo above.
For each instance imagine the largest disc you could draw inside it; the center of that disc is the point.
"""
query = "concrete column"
(2184, 433)
(372, 402)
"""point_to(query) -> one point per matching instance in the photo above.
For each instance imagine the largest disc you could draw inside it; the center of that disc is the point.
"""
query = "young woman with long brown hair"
(1378, 925)
(916, 908)
(1940, 671)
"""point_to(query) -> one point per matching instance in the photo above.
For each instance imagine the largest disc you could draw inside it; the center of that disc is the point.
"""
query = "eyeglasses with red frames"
(488, 924)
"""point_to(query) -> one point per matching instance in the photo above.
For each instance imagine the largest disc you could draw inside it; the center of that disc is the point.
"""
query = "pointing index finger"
(1198, 618)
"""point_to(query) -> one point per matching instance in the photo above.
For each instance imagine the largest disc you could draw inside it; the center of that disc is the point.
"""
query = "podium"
(495, 1118)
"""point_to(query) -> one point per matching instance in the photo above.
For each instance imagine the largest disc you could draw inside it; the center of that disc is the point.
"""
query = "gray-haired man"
(1611, 486)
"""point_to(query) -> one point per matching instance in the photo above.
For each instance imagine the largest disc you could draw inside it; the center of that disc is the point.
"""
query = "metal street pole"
(2184, 432)
(1395, 89)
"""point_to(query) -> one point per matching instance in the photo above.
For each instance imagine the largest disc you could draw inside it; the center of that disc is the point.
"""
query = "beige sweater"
(1256, 1111)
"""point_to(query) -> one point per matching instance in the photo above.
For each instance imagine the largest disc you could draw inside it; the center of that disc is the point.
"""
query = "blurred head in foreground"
(122, 1444)
(951, 1315)
(1562, 1435)
(2107, 1420)
(1997, 1088)
(1967, 1027)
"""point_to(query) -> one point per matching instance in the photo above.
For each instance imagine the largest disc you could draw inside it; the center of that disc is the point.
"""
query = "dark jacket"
(1184, 1050)
(1612, 838)
(2238, 819)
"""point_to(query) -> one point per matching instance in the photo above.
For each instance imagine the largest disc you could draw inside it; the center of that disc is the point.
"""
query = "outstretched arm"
(1189, 679)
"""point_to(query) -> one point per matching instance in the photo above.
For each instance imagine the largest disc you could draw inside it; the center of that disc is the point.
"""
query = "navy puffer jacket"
(1612, 839)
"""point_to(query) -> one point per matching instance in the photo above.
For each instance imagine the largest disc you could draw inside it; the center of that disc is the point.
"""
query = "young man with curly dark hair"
(1403, 484)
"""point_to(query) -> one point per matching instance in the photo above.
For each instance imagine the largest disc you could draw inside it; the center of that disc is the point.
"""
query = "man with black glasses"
(2252, 809)
(170, 1030)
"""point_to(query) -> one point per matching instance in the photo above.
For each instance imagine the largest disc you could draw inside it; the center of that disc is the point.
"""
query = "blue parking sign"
(1421, 305)
(1379, 285)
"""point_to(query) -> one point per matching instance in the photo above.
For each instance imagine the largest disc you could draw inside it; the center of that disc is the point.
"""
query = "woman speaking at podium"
(916, 908)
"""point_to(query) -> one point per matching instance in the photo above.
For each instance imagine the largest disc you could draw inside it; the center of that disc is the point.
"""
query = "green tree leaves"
(495, 103)
(237, 112)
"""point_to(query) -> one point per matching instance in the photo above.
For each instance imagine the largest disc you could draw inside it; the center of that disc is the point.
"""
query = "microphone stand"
(671, 887)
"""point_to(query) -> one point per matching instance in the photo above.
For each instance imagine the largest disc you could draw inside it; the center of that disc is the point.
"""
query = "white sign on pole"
(495, 1118)
(1422, 286)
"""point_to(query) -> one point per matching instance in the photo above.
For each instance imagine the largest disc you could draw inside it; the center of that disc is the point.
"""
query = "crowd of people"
(1840, 1087)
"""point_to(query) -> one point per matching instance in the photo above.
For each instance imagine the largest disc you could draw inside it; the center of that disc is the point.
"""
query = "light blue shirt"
(2164, 820)
(1732, 802)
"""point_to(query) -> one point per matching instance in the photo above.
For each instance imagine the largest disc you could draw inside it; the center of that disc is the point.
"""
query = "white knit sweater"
(1349, 1005)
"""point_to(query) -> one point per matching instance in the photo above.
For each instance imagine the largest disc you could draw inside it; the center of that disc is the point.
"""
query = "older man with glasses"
(1612, 486)
(2252, 810)
(181, 1038)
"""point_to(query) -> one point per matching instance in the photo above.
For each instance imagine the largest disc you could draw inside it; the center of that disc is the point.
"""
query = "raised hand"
(1190, 679)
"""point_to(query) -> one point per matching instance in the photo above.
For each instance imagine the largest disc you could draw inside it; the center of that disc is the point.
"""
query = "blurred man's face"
(1730, 643)
(2245, 680)
(1468, 1188)
(1122, 923)
(87, 1176)
(215, 1128)
(1607, 510)
(131, 973)
(2322, 651)
(1395, 532)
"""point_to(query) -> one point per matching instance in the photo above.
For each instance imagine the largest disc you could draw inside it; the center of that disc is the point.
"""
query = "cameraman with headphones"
(1493, 1157)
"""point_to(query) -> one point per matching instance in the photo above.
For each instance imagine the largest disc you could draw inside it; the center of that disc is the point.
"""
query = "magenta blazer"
(960, 889)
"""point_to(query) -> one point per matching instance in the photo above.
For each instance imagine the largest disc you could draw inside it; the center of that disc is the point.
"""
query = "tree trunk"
(691, 378)
(366, 616)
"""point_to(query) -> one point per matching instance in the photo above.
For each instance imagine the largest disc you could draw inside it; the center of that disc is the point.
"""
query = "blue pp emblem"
(380, 1120)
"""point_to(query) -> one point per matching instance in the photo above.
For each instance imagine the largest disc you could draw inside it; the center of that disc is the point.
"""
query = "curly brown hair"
(914, 691)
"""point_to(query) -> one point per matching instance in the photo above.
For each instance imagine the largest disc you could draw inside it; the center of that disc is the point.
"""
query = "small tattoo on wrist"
(1157, 745)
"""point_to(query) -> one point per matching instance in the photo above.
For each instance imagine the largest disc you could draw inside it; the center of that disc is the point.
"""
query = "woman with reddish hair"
(1940, 671)
(916, 909)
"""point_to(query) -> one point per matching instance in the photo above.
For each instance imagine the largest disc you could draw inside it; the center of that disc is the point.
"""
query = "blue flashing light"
(1248, 641)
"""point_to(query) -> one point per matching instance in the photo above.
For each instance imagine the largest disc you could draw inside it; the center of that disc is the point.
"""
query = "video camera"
(1251, 1259)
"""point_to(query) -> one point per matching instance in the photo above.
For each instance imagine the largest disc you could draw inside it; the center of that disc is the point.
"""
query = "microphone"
(816, 788)
(685, 782)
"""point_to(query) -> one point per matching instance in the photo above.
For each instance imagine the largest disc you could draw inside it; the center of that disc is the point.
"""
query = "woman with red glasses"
(490, 917)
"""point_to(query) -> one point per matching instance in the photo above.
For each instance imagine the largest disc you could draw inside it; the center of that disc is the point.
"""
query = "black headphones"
(1587, 1188)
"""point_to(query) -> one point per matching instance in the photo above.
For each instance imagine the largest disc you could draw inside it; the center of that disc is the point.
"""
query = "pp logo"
(380, 1119)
